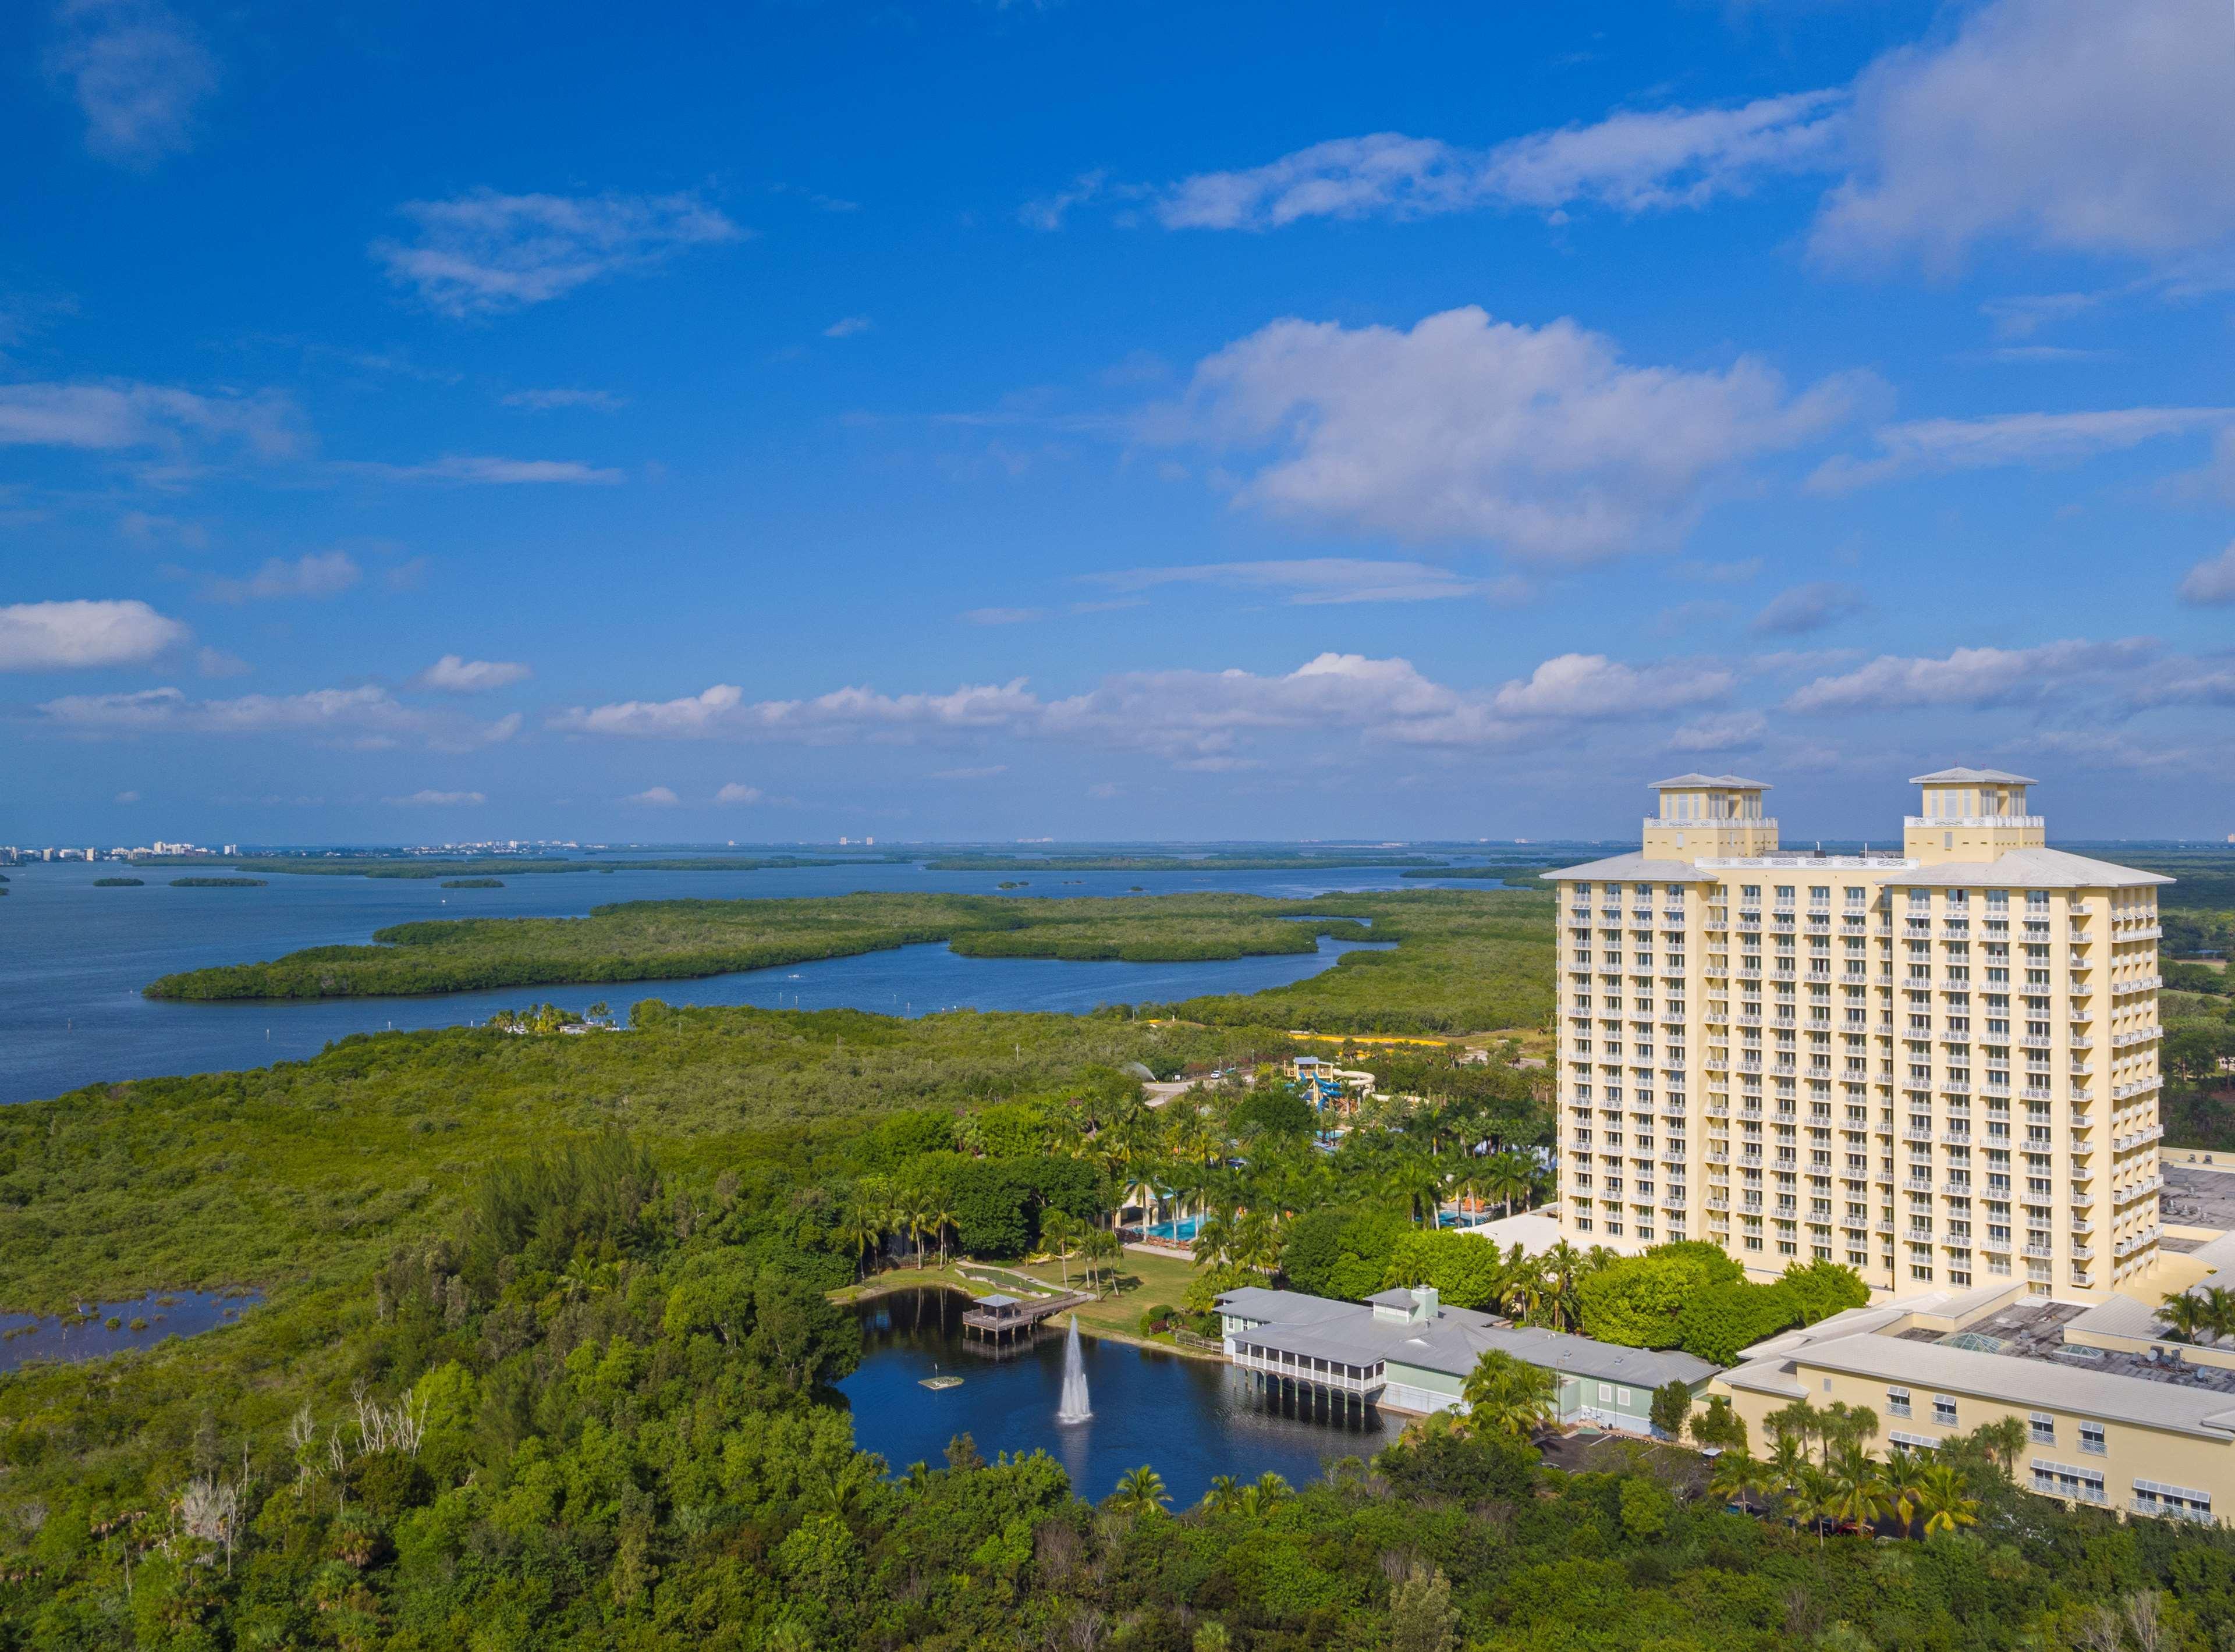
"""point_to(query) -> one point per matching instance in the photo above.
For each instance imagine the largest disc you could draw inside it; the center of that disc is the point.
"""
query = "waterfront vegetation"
(217, 884)
(1215, 861)
(473, 883)
(544, 1359)
(1460, 959)
(415, 867)
(119, 882)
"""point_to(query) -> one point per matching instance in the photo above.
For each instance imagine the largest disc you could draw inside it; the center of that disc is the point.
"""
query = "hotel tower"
(1938, 1065)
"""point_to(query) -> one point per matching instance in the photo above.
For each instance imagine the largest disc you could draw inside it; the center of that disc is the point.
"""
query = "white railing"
(1299, 1370)
(1939, 821)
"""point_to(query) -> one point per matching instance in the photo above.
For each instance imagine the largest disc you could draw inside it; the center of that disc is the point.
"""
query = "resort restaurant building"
(1406, 1350)
(2117, 1414)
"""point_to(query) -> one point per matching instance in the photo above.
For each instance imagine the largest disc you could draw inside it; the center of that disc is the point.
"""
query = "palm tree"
(1504, 1395)
(1417, 1180)
(1140, 1493)
(1815, 1498)
(1509, 1178)
(1102, 1246)
(1857, 1493)
(2006, 1441)
(1267, 1494)
(2218, 1311)
(1899, 1481)
(1224, 1495)
(2184, 1315)
(943, 1218)
(1059, 1231)
(1563, 1268)
(860, 1226)
(1214, 1239)
(1942, 1499)
(1787, 1462)
(916, 1210)
(1737, 1478)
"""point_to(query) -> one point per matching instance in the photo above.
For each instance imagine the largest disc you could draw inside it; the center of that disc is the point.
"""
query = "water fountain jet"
(1074, 1407)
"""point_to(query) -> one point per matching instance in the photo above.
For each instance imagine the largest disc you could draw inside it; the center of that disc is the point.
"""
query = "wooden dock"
(1003, 1321)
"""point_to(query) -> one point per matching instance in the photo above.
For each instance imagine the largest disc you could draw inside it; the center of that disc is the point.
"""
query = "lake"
(141, 1322)
(1189, 1419)
(73, 958)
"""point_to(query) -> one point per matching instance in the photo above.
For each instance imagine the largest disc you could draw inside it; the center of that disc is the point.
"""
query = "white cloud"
(474, 468)
(365, 717)
(2064, 124)
(1591, 686)
(1049, 212)
(485, 253)
(723, 711)
(654, 798)
(1539, 439)
(544, 400)
(2010, 439)
(1324, 580)
(127, 796)
(138, 72)
(215, 662)
(455, 675)
(736, 793)
(1731, 731)
(1632, 161)
(121, 414)
(2023, 314)
(848, 327)
(1004, 616)
(318, 574)
(64, 636)
(2210, 581)
(985, 771)
(1971, 677)
(1809, 608)
(436, 800)
(143, 528)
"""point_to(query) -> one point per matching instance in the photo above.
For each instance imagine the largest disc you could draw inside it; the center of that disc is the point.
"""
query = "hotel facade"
(1938, 1065)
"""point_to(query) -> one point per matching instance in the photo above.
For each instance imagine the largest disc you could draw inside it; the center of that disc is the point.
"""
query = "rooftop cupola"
(1709, 817)
(1971, 814)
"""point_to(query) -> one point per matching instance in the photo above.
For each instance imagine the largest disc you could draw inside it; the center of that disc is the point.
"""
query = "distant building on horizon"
(1938, 1067)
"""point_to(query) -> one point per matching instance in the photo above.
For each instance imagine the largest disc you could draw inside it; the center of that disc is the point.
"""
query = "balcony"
(1973, 822)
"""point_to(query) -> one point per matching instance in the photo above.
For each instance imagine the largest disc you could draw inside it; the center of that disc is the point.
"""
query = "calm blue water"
(73, 958)
(1190, 1419)
(1184, 1229)
(25, 1337)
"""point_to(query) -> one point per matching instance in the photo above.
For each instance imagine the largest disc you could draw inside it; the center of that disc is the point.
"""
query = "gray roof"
(1972, 777)
(2003, 1379)
(1579, 1356)
(1293, 1308)
(1633, 867)
(1686, 782)
(1396, 1296)
(2029, 869)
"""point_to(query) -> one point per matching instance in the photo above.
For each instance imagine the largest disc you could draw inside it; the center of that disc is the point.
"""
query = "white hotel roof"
(2016, 868)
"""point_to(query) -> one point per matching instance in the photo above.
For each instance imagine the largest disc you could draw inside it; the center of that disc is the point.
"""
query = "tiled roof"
(1973, 777)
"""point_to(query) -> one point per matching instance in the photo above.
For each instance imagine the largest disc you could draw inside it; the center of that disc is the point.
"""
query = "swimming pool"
(1182, 1231)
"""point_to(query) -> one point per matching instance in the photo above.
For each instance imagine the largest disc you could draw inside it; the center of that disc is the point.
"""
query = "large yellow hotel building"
(1938, 1065)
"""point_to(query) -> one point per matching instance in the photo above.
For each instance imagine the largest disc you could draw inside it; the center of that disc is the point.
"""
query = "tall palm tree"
(1214, 1239)
(860, 1226)
(1060, 1231)
(1504, 1395)
(1140, 1493)
(917, 1212)
(1815, 1499)
(1510, 1179)
(1857, 1493)
(1563, 1268)
(2218, 1311)
(1942, 1499)
(943, 1218)
(2006, 1441)
(1417, 1180)
(1267, 1494)
(1738, 1478)
(1785, 1464)
(1899, 1479)
(1224, 1495)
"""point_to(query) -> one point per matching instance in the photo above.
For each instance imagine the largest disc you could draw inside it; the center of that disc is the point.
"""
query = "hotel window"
(2044, 1428)
(2091, 1439)
(1898, 1402)
(1944, 1410)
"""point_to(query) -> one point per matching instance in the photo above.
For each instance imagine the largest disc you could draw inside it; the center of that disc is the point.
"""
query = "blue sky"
(1109, 420)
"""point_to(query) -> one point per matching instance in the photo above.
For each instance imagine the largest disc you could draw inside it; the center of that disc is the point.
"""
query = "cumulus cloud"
(138, 73)
(2032, 439)
(1576, 686)
(1324, 579)
(455, 675)
(1190, 716)
(485, 253)
(436, 799)
(2058, 123)
(2210, 581)
(66, 636)
(735, 792)
(1631, 162)
(1538, 439)
(1809, 608)
(365, 717)
(1971, 677)
(1731, 731)
(121, 414)
(317, 574)
(654, 798)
